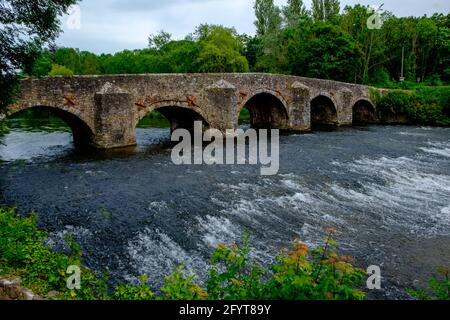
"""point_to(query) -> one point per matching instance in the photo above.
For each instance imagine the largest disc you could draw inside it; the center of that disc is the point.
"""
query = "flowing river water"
(385, 188)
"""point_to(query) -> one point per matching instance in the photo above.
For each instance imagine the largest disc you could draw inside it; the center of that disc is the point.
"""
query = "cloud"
(148, 6)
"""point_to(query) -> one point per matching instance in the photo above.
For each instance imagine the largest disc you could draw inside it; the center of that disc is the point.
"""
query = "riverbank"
(419, 105)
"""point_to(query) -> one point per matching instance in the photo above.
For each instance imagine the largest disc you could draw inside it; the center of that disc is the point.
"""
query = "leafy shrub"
(439, 289)
(58, 70)
(23, 253)
(397, 102)
(297, 274)
(424, 106)
(129, 292)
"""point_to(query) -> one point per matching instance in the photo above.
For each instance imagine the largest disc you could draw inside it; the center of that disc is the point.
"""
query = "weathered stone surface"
(11, 289)
(103, 111)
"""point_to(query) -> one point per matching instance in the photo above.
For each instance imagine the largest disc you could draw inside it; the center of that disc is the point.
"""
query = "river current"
(386, 189)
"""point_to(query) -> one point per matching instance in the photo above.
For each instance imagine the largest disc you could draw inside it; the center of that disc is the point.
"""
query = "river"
(385, 188)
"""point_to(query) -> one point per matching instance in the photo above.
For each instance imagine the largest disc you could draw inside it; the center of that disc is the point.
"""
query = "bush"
(23, 253)
(422, 106)
(296, 275)
(397, 102)
(58, 70)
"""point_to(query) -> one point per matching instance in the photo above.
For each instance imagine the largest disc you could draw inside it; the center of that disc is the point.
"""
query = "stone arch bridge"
(103, 111)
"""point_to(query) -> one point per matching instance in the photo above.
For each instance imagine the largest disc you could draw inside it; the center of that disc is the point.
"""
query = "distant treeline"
(325, 42)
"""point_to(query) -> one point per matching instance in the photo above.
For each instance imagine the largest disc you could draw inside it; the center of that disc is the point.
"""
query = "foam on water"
(154, 253)
(57, 240)
(217, 230)
(440, 149)
(407, 197)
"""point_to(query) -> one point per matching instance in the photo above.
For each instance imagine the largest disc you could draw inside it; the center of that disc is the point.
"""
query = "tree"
(293, 12)
(371, 42)
(325, 51)
(69, 58)
(25, 27)
(268, 17)
(325, 9)
(221, 50)
(58, 70)
(158, 40)
(43, 64)
(88, 63)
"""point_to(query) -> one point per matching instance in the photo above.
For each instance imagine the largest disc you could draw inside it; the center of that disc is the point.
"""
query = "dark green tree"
(293, 12)
(268, 17)
(157, 41)
(25, 27)
(325, 9)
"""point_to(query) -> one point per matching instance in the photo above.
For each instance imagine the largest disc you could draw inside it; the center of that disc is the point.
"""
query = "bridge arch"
(323, 111)
(268, 109)
(180, 114)
(83, 134)
(363, 111)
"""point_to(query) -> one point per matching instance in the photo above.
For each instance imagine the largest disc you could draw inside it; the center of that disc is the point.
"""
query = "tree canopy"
(25, 27)
(324, 42)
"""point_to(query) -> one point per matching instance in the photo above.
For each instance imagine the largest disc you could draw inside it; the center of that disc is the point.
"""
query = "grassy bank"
(420, 105)
(298, 273)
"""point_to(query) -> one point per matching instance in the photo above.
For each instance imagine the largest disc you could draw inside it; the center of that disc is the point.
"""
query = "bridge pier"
(300, 110)
(223, 102)
(114, 118)
(344, 107)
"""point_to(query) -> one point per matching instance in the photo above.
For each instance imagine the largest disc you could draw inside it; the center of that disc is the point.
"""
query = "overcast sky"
(108, 26)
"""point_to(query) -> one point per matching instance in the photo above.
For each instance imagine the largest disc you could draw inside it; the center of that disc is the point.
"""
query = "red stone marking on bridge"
(69, 100)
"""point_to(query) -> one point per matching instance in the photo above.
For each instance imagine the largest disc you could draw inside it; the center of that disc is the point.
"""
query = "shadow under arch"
(267, 110)
(179, 116)
(323, 113)
(364, 112)
(83, 135)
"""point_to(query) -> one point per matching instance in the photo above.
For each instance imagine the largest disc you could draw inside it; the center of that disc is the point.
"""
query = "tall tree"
(158, 40)
(221, 50)
(325, 9)
(25, 27)
(268, 17)
(293, 12)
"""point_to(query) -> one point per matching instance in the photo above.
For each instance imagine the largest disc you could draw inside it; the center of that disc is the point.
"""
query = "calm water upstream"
(386, 189)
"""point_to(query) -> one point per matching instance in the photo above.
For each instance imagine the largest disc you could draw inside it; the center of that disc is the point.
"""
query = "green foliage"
(325, 9)
(323, 43)
(58, 70)
(128, 292)
(23, 253)
(268, 17)
(232, 275)
(25, 28)
(296, 275)
(323, 51)
(221, 51)
(397, 102)
(422, 106)
(438, 288)
(159, 40)
(179, 287)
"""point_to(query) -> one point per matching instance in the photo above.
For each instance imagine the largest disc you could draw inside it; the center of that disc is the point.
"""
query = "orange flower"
(203, 295)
